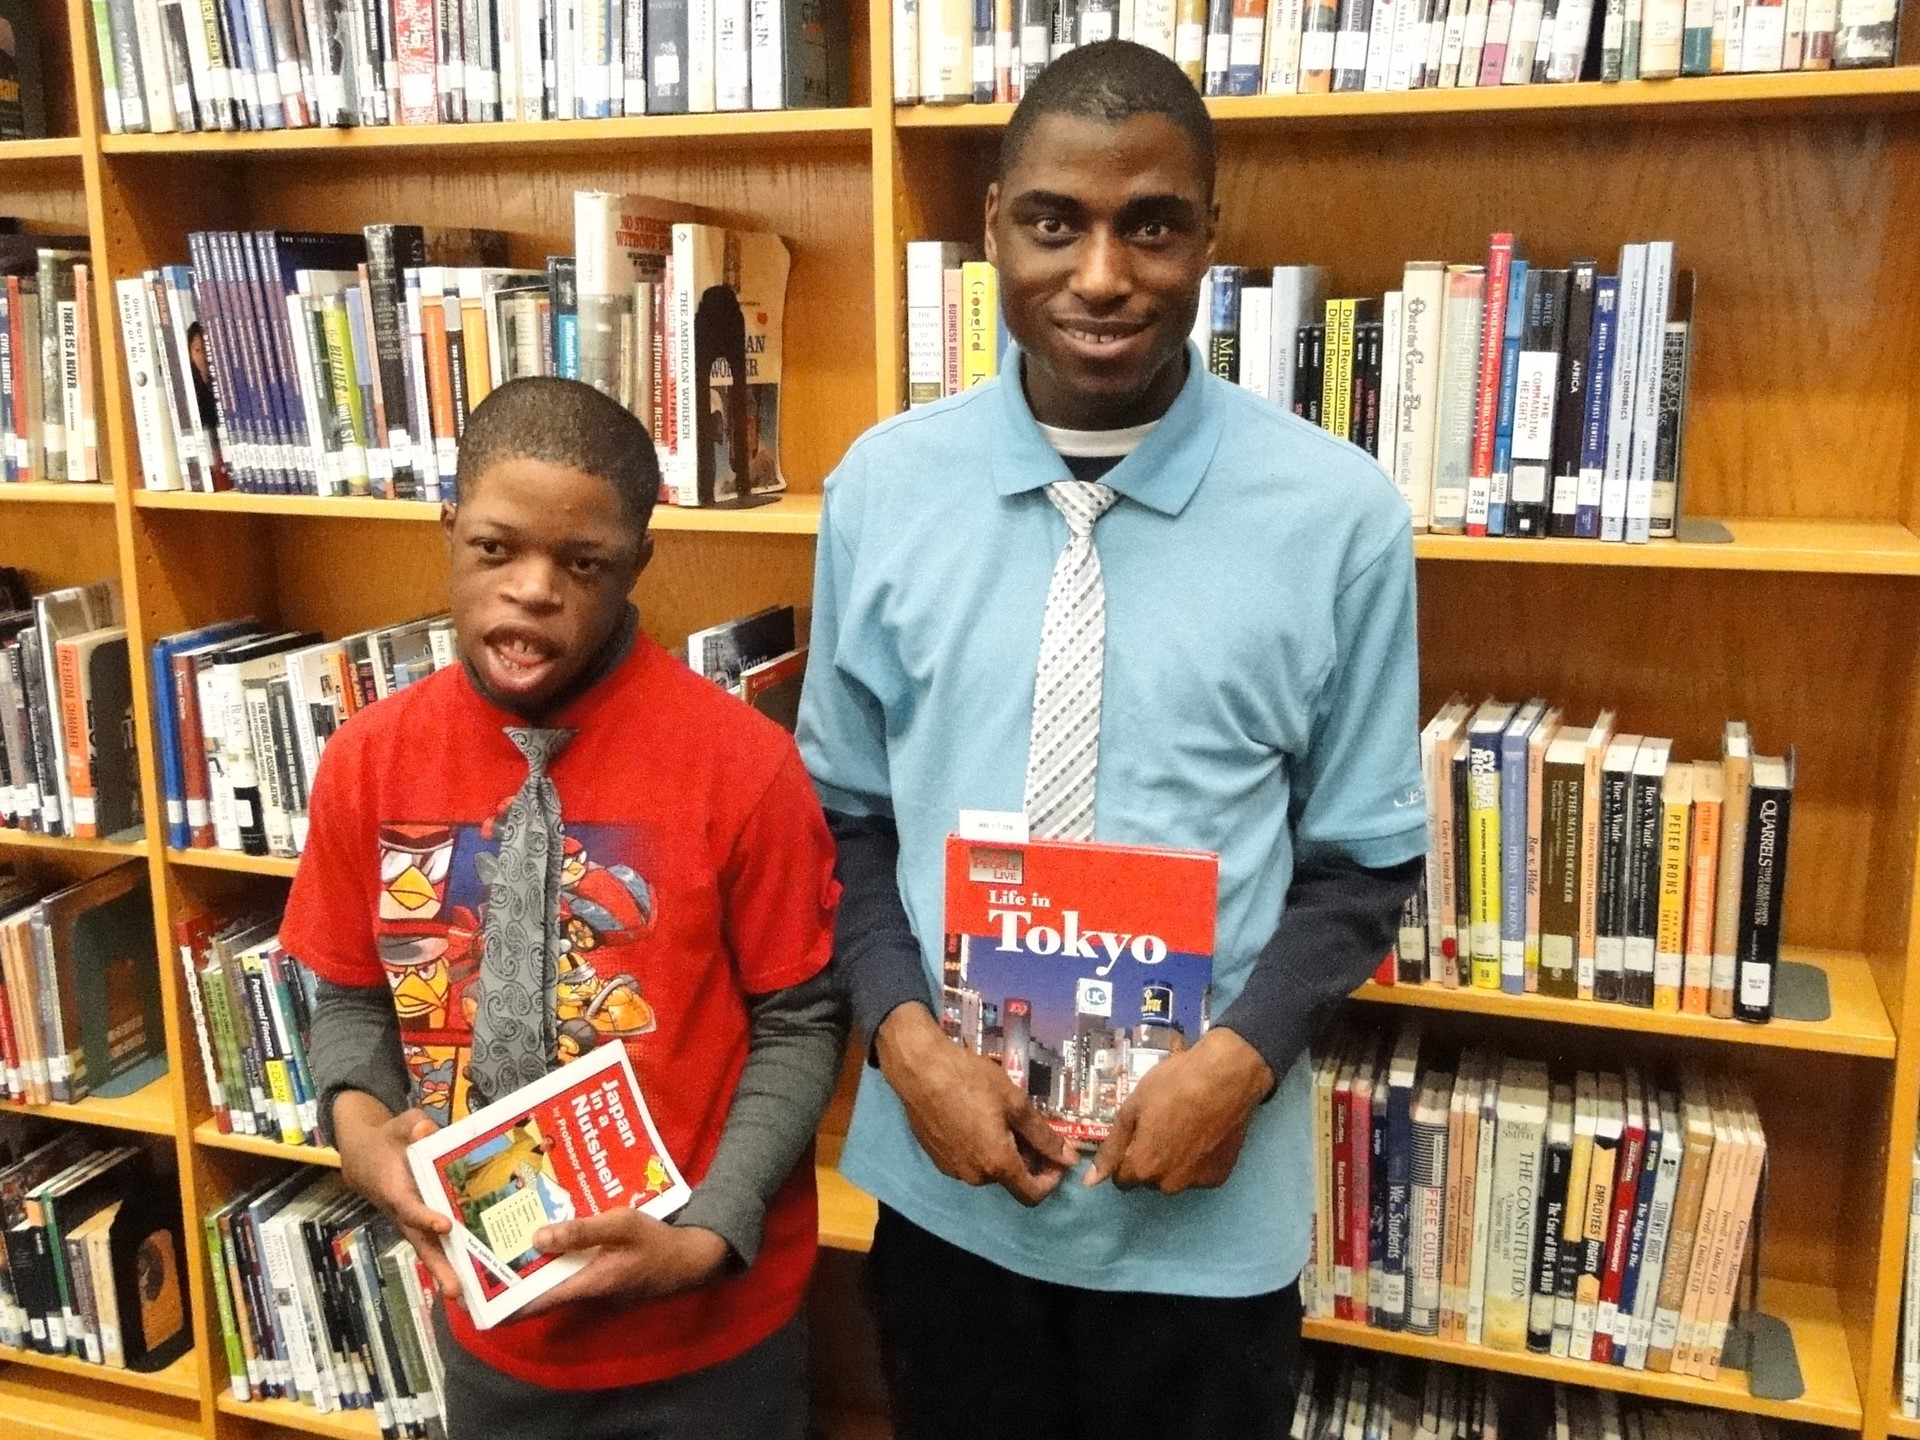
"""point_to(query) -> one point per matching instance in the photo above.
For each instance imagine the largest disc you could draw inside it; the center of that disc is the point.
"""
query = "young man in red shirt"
(570, 839)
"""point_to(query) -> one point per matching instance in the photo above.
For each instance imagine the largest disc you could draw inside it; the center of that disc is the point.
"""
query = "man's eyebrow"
(1168, 203)
(1048, 199)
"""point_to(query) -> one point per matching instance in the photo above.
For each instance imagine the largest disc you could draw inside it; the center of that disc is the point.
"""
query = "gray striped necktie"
(514, 1037)
(1064, 750)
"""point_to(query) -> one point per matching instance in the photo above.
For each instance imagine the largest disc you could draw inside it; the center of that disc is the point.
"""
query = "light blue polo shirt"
(1261, 694)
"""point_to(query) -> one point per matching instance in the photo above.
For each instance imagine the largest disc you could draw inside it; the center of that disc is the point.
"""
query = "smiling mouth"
(1100, 337)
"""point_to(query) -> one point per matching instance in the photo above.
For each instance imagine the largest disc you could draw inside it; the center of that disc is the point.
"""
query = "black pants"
(971, 1349)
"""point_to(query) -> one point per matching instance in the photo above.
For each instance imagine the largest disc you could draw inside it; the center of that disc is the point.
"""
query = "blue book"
(1402, 1071)
(1637, 1234)
(166, 716)
(1593, 427)
(1513, 846)
(1516, 325)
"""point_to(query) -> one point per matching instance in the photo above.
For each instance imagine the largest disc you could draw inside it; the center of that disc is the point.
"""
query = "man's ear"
(993, 213)
(449, 512)
(644, 557)
(1213, 230)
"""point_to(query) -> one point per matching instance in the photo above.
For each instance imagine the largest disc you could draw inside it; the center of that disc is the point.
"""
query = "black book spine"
(666, 57)
(1066, 27)
(1547, 1263)
(1368, 369)
(1302, 341)
(45, 755)
(1036, 24)
(1313, 373)
(1764, 888)
(260, 1305)
(1540, 346)
(453, 62)
(1642, 899)
(392, 250)
(1350, 45)
(457, 376)
(1677, 352)
(1571, 407)
(1610, 902)
(1219, 51)
(1411, 963)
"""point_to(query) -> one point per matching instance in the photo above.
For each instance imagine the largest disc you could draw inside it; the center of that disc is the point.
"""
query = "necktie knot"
(1080, 503)
(540, 748)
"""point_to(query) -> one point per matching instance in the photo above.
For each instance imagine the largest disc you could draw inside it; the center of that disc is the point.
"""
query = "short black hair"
(563, 422)
(1112, 81)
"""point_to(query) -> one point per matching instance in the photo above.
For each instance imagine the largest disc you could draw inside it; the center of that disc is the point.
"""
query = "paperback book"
(576, 1143)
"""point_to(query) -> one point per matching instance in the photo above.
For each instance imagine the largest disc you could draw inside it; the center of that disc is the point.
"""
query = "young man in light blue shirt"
(1145, 607)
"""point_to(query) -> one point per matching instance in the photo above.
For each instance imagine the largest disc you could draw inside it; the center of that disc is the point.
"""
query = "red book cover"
(1493, 322)
(1360, 1185)
(1343, 1194)
(416, 42)
(1626, 1192)
(1079, 966)
(576, 1143)
(1388, 971)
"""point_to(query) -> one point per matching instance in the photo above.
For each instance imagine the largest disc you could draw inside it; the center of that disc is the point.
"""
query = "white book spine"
(1653, 1253)
(767, 41)
(1477, 1272)
(1522, 43)
(1473, 43)
(906, 52)
(1282, 66)
(1256, 339)
(1423, 290)
(732, 55)
(1613, 480)
(159, 466)
(1646, 390)
(1570, 41)
(1910, 1305)
(1392, 340)
(701, 30)
(1380, 32)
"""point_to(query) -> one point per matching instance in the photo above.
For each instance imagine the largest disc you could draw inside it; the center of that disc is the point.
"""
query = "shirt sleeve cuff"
(892, 976)
(732, 1213)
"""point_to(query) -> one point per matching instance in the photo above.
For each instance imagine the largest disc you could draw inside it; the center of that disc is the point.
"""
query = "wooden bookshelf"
(181, 1378)
(1858, 1025)
(1812, 1313)
(1796, 198)
(148, 1110)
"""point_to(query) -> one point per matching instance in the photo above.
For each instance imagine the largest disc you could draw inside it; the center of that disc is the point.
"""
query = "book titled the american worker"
(1078, 966)
(575, 1143)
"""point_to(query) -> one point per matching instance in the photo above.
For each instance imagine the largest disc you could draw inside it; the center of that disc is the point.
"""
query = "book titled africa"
(577, 1142)
(1077, 966)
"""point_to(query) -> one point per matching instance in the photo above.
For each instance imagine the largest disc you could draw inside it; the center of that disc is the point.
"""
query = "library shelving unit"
(1797, 199)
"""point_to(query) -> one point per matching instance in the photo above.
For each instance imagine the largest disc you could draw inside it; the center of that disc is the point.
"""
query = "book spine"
(1487, 391)
(1483, 849)
(1641, 891)
(1704, 867)
(1513, 862)
(1670, 922)
(1764, 891)
(1513, 332)
(1553, 1219)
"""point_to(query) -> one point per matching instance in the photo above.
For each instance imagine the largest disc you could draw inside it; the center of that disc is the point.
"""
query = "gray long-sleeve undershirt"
(795, 1038)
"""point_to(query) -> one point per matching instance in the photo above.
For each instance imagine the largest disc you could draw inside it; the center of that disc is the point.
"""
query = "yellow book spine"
(979, 323)
(1669, 944)
(1483, 864)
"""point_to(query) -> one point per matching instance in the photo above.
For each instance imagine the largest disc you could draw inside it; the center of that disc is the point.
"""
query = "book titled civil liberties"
(1078, 966)
(576, 1143)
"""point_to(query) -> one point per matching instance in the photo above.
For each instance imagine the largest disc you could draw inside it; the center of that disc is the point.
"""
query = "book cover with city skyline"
(1078, 966)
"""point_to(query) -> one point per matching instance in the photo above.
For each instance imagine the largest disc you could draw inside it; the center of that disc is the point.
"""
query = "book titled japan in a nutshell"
(1078, 966)
(576, 1143)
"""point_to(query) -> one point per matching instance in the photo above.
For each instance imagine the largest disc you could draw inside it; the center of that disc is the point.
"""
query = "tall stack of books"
(1599, 1216)
(92, 1265)
(243, 712)
(948, 52)
(1589, 864)
(68, 764)
(253, 1015)
(1351, 1395)
(321, 1300)
(1504, 398)
(235, 66)
(347, 364)
(48, 364)
(79, 988)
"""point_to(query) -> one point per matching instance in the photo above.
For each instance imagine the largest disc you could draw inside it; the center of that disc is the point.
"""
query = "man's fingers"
(1032, 1127)
(427, 1246)
(1112, 1153)
(610, 1228)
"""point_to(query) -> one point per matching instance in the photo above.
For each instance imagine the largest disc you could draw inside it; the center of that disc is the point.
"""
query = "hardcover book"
(1078, 966)
(576, 1143)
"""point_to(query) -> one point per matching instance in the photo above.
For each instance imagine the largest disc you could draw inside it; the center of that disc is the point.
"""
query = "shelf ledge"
(1858, 1026)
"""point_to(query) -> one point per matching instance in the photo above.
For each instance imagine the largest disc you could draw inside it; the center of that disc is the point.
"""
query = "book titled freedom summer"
(1078, 966)
(575, 1143)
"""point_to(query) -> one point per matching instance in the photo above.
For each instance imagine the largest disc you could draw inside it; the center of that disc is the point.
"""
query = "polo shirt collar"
(1162, 472)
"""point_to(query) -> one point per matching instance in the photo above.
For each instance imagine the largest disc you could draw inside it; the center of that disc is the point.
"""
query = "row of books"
(67, 759)
(321, 1300)
(347, 364)
(167, 66)
(1348, 1395)
(47, 364)
(1600, 1216)
(1504, 398)
(252, 1009)
(242, 713)
(955, 334)
(758, 658)
(79, 987)
(92, 1265)
(954, 51)
(1588, 864)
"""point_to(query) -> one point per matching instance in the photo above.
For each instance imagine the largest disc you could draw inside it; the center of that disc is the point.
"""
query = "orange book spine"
(433, 328)
(473, 333)
(73, 727)
(1702, 893)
